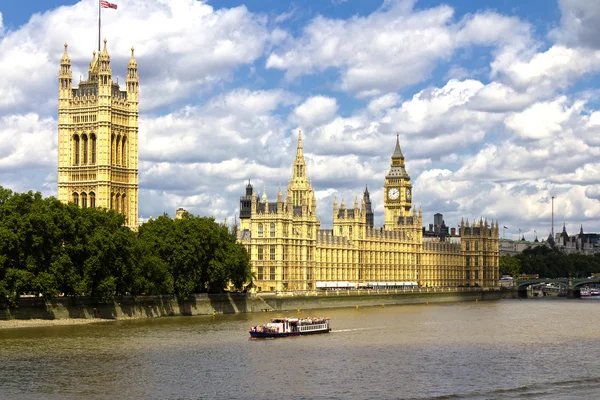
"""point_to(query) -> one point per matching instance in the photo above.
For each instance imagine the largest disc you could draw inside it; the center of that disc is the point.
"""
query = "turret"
(264, 195)
(65, 78)
(133, 81)
(104, 70)
(368, 211)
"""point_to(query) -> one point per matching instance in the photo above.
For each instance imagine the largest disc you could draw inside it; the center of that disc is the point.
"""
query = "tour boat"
(590, 293)
(284, 327)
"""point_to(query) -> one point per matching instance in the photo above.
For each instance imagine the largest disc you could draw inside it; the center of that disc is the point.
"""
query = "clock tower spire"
(397, 189)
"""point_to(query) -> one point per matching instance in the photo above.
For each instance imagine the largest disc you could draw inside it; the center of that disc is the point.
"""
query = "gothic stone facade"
(289, 251)
(98, 138)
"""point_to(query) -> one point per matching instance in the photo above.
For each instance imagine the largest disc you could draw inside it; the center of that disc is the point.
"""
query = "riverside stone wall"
(203, 304)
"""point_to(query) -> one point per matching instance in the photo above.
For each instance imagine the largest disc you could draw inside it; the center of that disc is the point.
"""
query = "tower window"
(118, 151)
(260, 230)
(76, 148)
(92, 199)
(272, 234)
(83, 200)
(124, 204)
(93, 148)
(117, 202)
(76, 199)
(85, 149)
(124, 151)
(272, 253)
(112, 149)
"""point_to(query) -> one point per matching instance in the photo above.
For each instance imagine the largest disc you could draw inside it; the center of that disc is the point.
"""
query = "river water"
(507, 349)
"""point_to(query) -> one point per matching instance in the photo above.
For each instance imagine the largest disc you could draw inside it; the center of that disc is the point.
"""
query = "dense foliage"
(550, 263)
(51, 248)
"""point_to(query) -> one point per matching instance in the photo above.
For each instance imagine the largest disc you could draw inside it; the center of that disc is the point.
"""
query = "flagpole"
(99, 23)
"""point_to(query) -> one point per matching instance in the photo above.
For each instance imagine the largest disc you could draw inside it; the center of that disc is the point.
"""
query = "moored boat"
(285, 327)
(589, 292)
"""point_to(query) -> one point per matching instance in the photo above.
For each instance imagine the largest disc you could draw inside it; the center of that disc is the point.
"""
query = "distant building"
(513, 247)
(582, 243)
(439, 231)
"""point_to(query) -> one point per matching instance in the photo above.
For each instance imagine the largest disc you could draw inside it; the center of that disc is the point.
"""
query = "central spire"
(299, 149)
(397, 151)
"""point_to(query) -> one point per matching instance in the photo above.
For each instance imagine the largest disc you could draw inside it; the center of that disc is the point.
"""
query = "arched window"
(112, 150)
(476, 246)
(118, 150)
(76, 148)
(83, 200)
(260, 230)
(124, 204)
(76, 199)
(124, 151)
(118, 202)
(468, 247)
(112, 201)
(92, 199)
(93, 149)
(272, 230)
(85, 148)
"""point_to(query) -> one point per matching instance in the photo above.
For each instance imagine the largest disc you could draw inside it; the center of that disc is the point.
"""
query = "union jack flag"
(106, 4)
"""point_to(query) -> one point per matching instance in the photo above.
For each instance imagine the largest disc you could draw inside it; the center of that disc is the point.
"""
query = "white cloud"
(393, 47)
(542, 120)
(315, 110)
(579, 24)
(542, 73)
(181, 47)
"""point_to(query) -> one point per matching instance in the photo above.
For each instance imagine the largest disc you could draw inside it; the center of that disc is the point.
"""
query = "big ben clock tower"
(397, 190)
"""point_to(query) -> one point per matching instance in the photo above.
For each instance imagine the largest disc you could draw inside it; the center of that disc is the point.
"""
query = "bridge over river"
(569, 286)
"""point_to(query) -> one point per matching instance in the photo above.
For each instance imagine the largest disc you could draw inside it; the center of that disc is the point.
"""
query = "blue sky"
(496, 102)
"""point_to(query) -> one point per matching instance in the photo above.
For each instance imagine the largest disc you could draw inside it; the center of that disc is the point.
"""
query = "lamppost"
(552, 217)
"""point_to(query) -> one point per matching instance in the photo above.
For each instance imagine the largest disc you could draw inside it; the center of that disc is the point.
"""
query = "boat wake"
(352, 330)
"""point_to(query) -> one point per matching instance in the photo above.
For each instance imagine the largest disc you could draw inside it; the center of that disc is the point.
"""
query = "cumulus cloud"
(579, 23)
(190, 47)
(496, 138)
(393, 47)
(315, 110)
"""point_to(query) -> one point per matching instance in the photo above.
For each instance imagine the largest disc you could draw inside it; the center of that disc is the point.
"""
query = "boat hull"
(273, 335)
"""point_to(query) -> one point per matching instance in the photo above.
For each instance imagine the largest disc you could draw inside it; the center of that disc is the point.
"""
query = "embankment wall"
(203, 304)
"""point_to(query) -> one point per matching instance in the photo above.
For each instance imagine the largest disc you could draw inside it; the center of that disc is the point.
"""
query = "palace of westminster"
(98, 167)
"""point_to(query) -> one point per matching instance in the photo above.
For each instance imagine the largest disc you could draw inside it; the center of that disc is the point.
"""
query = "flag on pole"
(106, 4)
(506, 227)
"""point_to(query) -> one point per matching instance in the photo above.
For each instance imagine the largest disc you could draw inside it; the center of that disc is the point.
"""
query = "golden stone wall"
(98, 138)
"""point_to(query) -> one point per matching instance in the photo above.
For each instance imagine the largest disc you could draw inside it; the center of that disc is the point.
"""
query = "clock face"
(393, 193)
(407, 194)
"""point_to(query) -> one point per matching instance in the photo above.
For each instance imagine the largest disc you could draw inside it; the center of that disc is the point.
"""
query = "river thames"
(508, 349)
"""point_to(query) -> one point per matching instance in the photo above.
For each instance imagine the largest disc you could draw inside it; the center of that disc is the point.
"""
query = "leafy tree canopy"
(51, 248)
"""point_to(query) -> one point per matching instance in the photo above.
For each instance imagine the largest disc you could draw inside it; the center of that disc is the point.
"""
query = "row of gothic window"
(118, 202)
(82, 199)
(84, 149)
(272, 230)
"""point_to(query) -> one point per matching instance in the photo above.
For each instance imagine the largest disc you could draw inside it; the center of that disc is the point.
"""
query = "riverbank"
(35, 323)
(87, 310)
